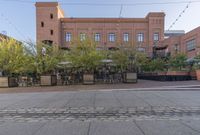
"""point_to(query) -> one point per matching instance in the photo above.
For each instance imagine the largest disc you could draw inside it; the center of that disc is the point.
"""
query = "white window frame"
(111, 37)
(140, 37)
(97, 37)
(82, 36)
(191, 45)
(156, 36)
(68, 36)
(126, 37)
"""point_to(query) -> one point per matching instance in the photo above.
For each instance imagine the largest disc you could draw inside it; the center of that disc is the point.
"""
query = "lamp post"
(43, 51)
(154, 50)
(132, 58)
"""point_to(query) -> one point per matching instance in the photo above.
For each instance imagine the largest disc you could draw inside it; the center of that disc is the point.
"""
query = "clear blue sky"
(18, 18)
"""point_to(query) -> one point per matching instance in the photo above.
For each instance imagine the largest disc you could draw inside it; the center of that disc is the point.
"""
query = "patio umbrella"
(64, 64)
(191, 60)
(106, 61)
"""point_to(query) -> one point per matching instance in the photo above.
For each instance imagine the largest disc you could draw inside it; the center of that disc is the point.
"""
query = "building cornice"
(46, 4)
(104, 20)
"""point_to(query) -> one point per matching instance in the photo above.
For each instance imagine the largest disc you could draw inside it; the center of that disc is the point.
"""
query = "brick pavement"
(99, 114)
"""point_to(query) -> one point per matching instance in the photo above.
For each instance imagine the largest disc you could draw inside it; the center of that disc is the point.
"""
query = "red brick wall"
(182, 40)
(153, 22)
(43, 11)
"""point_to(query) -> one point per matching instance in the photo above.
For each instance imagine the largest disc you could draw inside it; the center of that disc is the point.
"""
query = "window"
(48, 42)
(51, 32)
(51, 16)
(126, 37)
(140, 37)
(191, 45)
(156, 37)
(176, 47)
(42, 24)
(111, 37)
(82, 36)
(97, 37)
(68, 36)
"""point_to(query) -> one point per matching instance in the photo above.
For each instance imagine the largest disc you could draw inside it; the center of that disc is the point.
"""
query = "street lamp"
(43, 51)
(132, 58)
(154, 50)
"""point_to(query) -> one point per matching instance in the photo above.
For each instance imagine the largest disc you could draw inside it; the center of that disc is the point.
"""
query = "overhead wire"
(109, 4)
(179, 16)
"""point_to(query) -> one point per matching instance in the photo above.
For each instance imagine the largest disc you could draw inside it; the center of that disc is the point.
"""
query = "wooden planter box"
(8, 82)
(198, 74)
(130, 77)
(181, 73)
(161, 73)
(48, 80)
(193, 75)
(88, 78)
(166, 76)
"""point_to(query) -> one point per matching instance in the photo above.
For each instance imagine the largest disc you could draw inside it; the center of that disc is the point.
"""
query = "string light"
(179, 16)
(109, 4)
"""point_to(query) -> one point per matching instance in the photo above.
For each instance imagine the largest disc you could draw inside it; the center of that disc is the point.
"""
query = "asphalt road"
(109, 112)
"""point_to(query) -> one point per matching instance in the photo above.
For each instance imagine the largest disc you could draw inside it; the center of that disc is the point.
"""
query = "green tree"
(46, 58)
(178, 61)
(83, 55)
(120, 59)
(142, 61)
(13, 57)
(157, 65)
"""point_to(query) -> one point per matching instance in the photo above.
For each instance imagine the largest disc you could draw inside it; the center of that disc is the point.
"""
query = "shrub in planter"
(43, 59)
(154, 66)
(13, 60)
(178, 62)
(196, 66)
(46, 59)
(125, 60)
(84, 57)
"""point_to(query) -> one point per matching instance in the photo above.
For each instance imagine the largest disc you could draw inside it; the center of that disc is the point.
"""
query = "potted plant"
(45, 61)
(154, 69)
(196, 66)
(13, 61)
(124, 59)
(178, 65)
(84, 56)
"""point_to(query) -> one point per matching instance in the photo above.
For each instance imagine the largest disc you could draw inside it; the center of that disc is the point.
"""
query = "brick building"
(53, 27)
(188, 43)
(143, 33)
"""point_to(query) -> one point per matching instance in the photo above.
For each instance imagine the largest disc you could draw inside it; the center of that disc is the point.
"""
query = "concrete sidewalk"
(142, 84)
(116, 112)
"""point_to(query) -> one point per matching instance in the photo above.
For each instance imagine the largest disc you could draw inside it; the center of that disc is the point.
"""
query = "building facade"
(188, 43)
(143, 33)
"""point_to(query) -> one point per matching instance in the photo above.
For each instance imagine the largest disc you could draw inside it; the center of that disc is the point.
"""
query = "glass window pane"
(82, 36)
(68, 36)
(126, 37)
(111, 37)
(97, 37)
(156, 36)
(140, 37)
